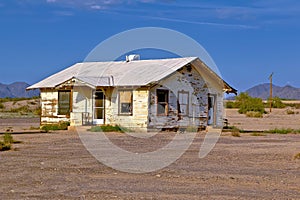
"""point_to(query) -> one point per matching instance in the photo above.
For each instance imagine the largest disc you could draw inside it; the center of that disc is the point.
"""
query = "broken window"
(64, 101)
(125, 102)
(162, 102)
(183, 100)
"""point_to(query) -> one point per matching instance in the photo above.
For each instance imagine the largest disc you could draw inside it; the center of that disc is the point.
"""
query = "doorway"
(99, 107)
(211, 110)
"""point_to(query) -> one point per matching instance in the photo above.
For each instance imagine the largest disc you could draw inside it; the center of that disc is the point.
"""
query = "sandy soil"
(57, 166)
(19, 124)
(277, 119)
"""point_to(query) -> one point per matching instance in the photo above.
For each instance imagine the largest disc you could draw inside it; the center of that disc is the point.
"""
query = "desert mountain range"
(18, 89)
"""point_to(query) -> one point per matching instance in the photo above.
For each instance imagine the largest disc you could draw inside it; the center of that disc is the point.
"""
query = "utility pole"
(271, 91)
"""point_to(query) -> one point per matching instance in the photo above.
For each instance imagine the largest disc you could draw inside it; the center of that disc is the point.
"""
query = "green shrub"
(106, 128)
(37, 111)
(7, 142)
(277, 103)
(245, 103)
(254, 114)
(1, 105)
(63, 125)
(230, 104)
(8, 139)
(258, 134)
(281, 131)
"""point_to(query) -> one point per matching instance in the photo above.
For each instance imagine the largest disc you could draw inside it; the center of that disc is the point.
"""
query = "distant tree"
(276, 103)
(246, 103)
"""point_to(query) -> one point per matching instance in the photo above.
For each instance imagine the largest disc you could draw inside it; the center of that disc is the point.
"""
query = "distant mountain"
(263, 91)
(17, 89)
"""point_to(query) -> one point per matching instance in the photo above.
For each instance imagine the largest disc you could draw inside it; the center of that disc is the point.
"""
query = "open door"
(211, 110)
(99, 107)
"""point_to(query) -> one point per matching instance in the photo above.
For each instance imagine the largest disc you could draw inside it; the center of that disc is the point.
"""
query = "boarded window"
(125, 102)
(183, 100)
(162, 102)
(64, 101)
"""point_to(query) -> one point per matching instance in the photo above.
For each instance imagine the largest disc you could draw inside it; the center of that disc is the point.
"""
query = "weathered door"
(99, 107)
(211, 110)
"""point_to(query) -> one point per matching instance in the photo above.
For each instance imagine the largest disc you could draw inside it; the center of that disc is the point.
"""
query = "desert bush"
(281, 131)
(62, 125)
(290, 112)
(277, 103)
(34, 128)
(245, 103)
(236, 134)
(230, 104)
(4, 146)
(294, 105)
(254, 114)
(232, 129)
(37, 111)
(7, 142)
(15, 99)
(8, 139)
(258, 134)
(106, 128)
(297, 156)
(22, 109)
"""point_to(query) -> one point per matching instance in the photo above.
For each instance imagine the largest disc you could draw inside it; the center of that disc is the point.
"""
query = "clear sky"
(248, 40)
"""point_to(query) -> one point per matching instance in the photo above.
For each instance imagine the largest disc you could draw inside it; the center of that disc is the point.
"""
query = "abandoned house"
(138, 94)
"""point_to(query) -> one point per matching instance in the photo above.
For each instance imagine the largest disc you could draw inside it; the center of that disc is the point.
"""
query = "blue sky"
(248, 40)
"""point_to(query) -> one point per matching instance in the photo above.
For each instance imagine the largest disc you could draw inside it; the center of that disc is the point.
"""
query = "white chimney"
(132, 57)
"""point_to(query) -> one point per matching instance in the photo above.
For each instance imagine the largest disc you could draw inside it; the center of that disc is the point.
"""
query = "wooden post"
(271, 91)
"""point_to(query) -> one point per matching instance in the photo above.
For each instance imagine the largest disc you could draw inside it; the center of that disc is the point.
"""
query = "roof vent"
(132, 57)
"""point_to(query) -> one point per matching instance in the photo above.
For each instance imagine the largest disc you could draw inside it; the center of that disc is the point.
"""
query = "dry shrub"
(258, 134)
(235, 134)
(297, 156)
(254, 114)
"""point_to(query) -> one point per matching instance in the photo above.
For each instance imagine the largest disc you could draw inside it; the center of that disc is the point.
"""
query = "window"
(64, 102)
(162, 102)
(183, 100)
(125, 102)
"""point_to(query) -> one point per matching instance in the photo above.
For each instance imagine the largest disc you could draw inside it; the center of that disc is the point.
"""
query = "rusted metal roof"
(120, 73)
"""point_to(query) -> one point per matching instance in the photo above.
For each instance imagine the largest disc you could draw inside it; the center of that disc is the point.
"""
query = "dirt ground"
(278, 118)
(57, 166)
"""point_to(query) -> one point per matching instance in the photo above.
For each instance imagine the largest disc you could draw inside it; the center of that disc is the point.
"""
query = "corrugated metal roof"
(121, 73)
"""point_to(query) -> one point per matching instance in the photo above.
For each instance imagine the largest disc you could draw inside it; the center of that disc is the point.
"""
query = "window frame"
(130, 113)
(59, 104)
(181, 104)
(165, 103)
